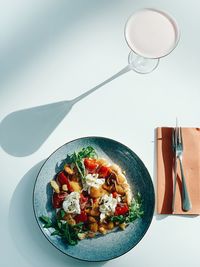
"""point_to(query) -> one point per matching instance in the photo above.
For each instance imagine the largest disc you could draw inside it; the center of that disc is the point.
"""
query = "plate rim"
(151, 183)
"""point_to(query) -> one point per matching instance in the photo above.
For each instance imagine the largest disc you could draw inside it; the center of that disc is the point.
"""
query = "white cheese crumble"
(71, 203)
(108, 205)
(118, 199)
(92, 180)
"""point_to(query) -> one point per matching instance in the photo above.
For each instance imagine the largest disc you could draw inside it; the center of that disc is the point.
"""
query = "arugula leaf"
(81, 168)
(61, 228)
(46, 220)
(88, 152)
(70, 235)
(56, 232)
(78, 225)
(59, 224)
(135, 210)
(120, 219)
(62, 213)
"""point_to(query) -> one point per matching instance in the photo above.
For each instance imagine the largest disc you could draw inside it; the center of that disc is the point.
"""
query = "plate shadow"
(25, 232)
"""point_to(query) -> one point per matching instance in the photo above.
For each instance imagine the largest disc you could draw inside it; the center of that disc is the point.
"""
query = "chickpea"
(120, 178)
(119, 189)
(122, 226)
(87, 211)
(93, 227)
(107, 187)
(91, 219)
(102, 230)
(68, 170)
(95, 212)
(64, 187)
(91, 235)
(55, 186)
(69, 219)
(110, 225)
(96, 192)
(75, 186)
(81, 236)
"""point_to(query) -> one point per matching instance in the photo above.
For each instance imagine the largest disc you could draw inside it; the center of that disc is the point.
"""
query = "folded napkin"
(191, 166)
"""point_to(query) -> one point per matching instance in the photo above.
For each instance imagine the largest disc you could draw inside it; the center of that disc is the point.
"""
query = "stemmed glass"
(151, 34)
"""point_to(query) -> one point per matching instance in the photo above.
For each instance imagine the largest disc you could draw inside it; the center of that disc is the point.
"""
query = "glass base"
(141, 64)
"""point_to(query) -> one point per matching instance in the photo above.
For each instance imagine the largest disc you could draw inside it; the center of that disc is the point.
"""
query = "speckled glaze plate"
(113, 244)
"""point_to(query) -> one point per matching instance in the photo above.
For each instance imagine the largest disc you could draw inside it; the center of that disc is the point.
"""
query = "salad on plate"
(91, 196)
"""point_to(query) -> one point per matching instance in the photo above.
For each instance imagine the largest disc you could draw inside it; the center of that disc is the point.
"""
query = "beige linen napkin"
(191, 165)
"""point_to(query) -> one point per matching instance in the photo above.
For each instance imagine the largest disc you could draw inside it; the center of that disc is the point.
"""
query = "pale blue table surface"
(55, 50)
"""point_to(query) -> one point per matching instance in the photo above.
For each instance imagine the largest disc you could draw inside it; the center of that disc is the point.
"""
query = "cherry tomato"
(115, 194)
(121, 209)
(58, 199)
(62, 179)
(94, 200)
(91, 164)
(83, 199)
(81, 217)
(104, 171)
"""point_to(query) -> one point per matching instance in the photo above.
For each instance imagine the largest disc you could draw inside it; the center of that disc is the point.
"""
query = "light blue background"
(54, 50)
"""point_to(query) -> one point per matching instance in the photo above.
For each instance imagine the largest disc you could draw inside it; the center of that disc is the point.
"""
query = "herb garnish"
(61, 228)
(77, 159)
(135, 211)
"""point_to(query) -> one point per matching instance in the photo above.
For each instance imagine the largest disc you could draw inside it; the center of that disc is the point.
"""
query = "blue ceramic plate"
(116, 243)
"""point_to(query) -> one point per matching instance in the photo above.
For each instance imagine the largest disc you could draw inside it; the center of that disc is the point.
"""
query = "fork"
(186, 203)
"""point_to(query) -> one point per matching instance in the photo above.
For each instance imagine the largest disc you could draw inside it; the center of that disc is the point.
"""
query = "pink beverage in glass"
(151, 33)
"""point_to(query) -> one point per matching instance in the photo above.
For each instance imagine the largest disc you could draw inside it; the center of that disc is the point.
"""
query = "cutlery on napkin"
(165, 163)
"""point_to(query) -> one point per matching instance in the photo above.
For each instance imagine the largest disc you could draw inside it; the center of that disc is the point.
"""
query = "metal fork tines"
(177, 140)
